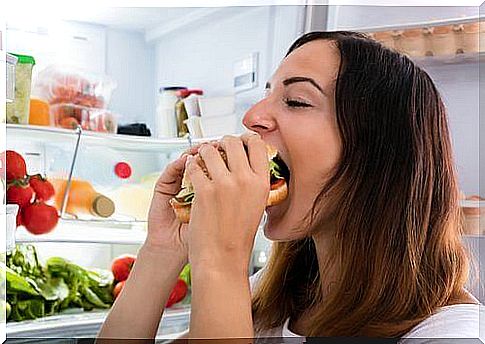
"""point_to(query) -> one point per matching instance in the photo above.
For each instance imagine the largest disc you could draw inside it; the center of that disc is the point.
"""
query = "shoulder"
(456, 321)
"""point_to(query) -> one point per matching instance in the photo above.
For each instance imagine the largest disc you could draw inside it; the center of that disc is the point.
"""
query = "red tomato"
(121, 267)
(39, 218)
(44, 190)
(19, 194)
(19, 218)
(69, 123)
(117, 289)
(178, 293)
(16, 168)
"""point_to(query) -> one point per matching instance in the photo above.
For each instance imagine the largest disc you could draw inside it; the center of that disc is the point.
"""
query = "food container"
(443, 41)
(69, 116)
(219, 125)
(413, 42)
(471, 37)
(39, 112)
(166, 120)
(216, 106)
(66, 85)
(473, 209)
(18, 110)
(428, 41)
(193, 124)
(386, 38)
(10, 91)
(11, 222)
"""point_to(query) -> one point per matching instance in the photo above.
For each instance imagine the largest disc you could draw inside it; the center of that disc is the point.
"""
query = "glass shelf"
(114, 141)
(101, 232)
(77, 323)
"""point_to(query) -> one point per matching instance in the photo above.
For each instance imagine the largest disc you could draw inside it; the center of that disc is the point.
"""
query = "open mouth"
(279, 171)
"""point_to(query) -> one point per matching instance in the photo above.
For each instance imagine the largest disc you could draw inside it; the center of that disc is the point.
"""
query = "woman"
(367, 242)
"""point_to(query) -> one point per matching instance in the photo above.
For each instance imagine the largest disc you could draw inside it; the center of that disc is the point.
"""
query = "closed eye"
(296, 103)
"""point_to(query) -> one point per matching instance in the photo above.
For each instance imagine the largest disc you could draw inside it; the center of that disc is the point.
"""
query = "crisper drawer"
(68, 328)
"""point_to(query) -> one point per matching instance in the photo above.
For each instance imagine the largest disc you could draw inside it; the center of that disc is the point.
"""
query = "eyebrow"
(296, 79)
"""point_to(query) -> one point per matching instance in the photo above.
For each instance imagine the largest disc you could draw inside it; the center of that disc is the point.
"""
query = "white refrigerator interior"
(144, 49)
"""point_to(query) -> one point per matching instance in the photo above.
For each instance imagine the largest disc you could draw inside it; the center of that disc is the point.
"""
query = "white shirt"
(443, 327)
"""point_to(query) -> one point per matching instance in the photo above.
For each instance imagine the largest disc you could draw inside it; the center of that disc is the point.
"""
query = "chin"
(279, 227)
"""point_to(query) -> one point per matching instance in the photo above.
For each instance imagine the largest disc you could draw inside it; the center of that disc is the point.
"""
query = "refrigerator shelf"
(436, 61)
(102, 232)
(403, 26)
(113, 141)
(87, 324)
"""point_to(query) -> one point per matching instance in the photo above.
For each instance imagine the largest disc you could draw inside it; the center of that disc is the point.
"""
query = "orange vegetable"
(39, 112)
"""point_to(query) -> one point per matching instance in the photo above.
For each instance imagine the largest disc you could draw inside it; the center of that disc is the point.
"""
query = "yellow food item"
(39, 112)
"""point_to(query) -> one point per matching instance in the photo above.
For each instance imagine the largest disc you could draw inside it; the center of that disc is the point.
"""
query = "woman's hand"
(228, 205)
(226, 212)
(165, 232)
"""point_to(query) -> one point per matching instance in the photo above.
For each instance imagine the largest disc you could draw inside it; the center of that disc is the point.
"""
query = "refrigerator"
(141, 50)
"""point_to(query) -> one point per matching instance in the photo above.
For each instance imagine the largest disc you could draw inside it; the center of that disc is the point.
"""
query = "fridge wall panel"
(459, 87)
(131, 63)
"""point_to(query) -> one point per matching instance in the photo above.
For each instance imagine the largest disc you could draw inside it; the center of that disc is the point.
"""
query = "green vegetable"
(275, 170)
(35, 291)
(185, 274)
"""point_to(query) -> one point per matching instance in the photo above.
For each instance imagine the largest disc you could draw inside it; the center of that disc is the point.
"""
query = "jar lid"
(413, 32)
(444, 29)
(123, 170)
(103, 206)
(24, 59)
(172, 88)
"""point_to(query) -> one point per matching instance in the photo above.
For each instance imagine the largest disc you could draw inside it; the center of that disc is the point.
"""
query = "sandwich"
(279, 177)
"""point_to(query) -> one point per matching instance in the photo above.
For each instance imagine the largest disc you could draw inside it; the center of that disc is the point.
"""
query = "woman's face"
(297, 116)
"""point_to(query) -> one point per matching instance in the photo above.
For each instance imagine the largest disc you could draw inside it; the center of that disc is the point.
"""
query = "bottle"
(166, 123)
(83, 199)
(181, 112)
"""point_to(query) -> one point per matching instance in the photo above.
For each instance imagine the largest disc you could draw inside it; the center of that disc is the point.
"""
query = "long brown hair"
(395, 207)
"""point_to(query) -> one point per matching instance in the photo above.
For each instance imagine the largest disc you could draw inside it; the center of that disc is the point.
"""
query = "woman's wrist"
(169, 258)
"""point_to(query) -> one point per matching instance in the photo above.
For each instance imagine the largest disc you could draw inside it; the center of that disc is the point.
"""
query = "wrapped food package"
(58, 85)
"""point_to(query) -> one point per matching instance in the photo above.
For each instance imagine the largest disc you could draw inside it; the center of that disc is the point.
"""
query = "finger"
(213, 162)
(257, 153)
(195, 149)
(197, 176)
(237, 159)
(169, 181)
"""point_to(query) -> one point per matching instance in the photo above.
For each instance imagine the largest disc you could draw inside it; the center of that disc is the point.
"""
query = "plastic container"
(443, 41)
(69, 116)
(219, 125)
(166, 120)
(18, 110)
(61, 84)
(386, 38)
(216, 106)
(413, 42)
(10, 88)
(471, 38)
(11, 223)
(473, 216)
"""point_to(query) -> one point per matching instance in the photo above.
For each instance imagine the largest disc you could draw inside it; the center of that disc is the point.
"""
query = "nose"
(259, 117)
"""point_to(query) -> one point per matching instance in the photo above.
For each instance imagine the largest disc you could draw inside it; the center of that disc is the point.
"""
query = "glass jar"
(166, 121)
